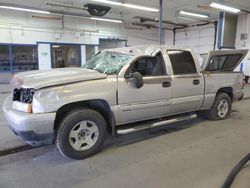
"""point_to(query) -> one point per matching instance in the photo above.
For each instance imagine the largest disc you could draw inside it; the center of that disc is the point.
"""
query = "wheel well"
(227, 90)
(100, 106)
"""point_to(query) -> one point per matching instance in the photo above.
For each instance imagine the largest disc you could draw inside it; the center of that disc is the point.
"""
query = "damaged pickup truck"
(139, 87)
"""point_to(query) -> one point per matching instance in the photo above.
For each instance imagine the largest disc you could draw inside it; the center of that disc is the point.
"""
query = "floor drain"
(16, 149)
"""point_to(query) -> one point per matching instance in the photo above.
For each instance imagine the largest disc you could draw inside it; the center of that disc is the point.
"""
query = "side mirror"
(137, 79)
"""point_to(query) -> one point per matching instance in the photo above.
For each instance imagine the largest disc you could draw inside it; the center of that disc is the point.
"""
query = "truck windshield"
(108, 62)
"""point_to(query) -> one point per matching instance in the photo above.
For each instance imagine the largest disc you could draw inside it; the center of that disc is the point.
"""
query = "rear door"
(224, 60)
(187, 82)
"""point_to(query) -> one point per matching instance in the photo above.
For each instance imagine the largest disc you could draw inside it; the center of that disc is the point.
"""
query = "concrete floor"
(195, 154)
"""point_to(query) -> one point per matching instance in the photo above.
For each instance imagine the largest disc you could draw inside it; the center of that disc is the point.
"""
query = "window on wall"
(4, 59)
(24, 58)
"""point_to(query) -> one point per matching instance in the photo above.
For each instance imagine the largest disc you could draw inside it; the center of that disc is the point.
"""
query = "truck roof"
(143, 49)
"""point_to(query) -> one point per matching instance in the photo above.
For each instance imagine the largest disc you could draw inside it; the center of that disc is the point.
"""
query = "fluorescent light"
(139, 7)
(56, 46)
(24, 9)
(224, 7)
(105, 20)
(193, 14)
(187, 18)
(108, 2)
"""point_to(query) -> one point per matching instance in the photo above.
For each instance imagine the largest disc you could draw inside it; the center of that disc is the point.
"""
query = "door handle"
(166, 84)
(196, 82)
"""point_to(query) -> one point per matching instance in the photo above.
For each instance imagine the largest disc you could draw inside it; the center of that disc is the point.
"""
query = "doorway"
(65, 55)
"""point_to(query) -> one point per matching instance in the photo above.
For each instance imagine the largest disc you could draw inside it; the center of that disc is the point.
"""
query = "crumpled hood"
(45, 78)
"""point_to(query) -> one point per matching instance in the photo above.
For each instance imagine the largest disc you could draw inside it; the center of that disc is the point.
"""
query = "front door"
(153, 99)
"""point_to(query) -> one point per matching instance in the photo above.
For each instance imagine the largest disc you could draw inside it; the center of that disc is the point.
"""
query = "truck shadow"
(122, 140)
(50, 155)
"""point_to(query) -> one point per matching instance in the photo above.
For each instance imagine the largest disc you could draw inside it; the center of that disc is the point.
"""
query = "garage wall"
(21, 27)
(200, 39)
(244, 27)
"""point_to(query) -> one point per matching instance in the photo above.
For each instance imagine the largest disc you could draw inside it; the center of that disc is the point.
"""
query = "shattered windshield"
(108, 62)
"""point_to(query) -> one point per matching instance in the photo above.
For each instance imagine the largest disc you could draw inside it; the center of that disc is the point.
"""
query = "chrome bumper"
(35, 129)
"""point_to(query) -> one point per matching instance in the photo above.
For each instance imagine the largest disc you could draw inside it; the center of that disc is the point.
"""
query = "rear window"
(223, 62)
(182, 62)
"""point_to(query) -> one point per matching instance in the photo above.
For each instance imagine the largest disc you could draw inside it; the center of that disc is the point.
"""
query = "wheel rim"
(83, 135)
(223, 108)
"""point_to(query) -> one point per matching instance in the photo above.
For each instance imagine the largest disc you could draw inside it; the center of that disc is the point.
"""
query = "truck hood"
(45, 78)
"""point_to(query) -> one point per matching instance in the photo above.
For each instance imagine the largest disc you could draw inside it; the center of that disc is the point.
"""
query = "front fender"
(51, 99)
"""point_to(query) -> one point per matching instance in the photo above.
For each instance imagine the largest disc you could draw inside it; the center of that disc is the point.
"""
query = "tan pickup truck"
(142, 86)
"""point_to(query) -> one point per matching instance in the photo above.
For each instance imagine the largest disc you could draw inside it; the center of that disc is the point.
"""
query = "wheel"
(221, 108)
(81, 134)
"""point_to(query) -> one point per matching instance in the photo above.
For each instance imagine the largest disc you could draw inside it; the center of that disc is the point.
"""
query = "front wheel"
(221, 108)
(81, 134)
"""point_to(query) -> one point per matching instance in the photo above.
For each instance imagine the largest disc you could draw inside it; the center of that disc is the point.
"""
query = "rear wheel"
(81, 134)
(221, 108)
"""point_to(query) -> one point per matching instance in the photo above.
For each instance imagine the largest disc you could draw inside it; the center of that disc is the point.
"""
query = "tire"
(81, 134)
(222, 102)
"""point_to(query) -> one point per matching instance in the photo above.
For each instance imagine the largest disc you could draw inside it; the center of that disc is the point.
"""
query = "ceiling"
(170, 7)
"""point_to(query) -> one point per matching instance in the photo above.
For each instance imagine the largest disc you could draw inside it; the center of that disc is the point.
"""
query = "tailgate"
(224, 60)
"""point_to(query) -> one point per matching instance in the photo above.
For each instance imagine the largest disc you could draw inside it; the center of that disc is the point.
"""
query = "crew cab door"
(224, 60)
(187, 82)
(150, 101)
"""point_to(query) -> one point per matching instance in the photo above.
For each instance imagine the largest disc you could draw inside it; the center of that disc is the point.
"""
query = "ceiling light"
(187, 18)
(139, 7)
(224, 7)
(193, 14)
(108, 2)
(56, 46)
(24, 9)
(105, 20)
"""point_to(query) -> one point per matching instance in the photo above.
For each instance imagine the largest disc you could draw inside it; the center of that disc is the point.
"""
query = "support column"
(160, 23)
(96, 49)
(83, 54)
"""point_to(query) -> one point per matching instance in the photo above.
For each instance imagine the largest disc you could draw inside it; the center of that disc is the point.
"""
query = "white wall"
(244, 27)
(200, 39)
(21, 27)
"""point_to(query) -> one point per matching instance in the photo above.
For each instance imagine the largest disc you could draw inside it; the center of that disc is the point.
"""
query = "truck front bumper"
(34, 129)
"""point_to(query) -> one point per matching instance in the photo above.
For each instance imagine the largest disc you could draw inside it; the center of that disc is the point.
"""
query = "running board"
(155, 124)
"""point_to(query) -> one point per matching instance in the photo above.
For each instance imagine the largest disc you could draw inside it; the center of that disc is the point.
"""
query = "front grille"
(24, 95)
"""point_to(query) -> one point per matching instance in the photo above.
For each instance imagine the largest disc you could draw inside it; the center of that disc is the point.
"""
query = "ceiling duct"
(175, 24)
(65, 5)
(149, 26)
(93, 9)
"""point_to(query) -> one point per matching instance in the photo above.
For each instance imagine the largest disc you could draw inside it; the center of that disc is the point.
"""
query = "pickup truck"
(121, 91)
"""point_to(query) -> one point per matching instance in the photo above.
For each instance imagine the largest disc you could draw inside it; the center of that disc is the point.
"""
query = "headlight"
(22, 99)
(46, 100)
(24, 95)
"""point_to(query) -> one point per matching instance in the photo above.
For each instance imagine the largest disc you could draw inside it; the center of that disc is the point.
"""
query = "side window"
(149, 66)
(182, 62)
(223, 62)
